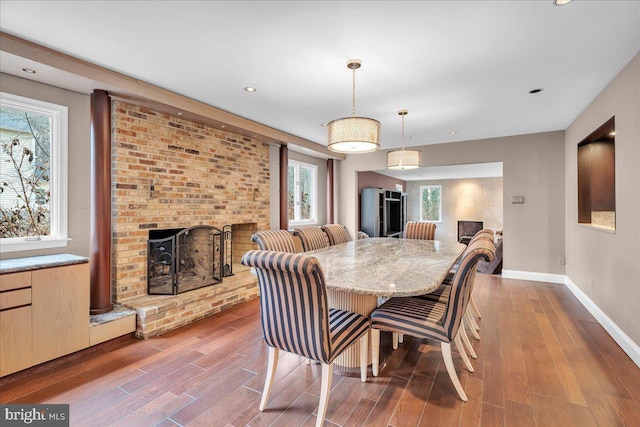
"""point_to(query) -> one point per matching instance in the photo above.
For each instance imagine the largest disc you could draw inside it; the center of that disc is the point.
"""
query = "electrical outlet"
(517, 200)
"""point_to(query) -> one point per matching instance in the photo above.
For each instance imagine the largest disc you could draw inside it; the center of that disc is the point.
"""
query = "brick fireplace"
(171, 173)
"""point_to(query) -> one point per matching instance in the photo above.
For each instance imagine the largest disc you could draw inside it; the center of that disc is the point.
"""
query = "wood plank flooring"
(542, 361)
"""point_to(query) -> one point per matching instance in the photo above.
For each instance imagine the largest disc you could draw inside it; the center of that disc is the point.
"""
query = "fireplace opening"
(184, 259)
(468, 229)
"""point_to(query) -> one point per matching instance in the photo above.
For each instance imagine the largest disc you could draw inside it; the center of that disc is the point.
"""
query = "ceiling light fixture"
(404, 159)
(250, 89)
(29, 70)
(453, 132)
(561, 2)
(354, 134)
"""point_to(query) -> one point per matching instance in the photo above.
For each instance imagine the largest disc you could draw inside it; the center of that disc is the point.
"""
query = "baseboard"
(628, 346)
(534, 276)
(631, 348)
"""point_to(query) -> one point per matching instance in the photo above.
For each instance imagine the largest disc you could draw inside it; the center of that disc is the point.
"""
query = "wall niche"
(597, 178)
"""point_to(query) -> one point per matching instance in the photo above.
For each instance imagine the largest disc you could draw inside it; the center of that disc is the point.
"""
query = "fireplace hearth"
(184, 259)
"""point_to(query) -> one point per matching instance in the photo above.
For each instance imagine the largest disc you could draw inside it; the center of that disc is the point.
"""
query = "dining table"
(360, 273)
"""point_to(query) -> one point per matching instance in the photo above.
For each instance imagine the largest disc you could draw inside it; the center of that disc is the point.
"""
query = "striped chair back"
(274, 240)
(462, 285)
(336, 233)
(293, 303)
(485, 233)
(420, 230)
(312, 237)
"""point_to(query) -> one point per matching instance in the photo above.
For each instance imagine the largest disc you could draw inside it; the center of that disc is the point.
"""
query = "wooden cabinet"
(15, 322)
(44, 314)
(60, 311)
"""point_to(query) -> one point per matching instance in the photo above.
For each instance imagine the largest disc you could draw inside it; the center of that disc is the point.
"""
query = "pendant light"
(404, 159)
(354, 134)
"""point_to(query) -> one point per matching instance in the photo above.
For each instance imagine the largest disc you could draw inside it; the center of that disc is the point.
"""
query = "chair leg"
(463, 353)
(271, 372)
(400, 338)
(448, 362)
(395, 340)
(375, 351)
(465, 340)
(364, 353)
(474, 307)
(327, 373)
(472, 325)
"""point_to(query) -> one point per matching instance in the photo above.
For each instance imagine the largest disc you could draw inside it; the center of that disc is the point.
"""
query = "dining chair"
(296, 317)
(439, 321)
(274, 240)
(416, 230)
(312, 237)
(420, 230)
(336, 233)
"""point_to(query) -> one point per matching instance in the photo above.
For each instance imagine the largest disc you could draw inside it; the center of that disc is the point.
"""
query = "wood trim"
(100, 247)
(330, 176)
(284, 188)
(155, 97)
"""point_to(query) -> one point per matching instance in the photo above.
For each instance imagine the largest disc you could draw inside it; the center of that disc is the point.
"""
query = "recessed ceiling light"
(29, 70)
(453, 132)
(324, 125)
(535, 90)
(222, 126)
(561, 2)
(179, 113)
(250, 89)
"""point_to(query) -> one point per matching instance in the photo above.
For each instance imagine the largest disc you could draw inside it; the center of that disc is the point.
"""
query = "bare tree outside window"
(430, 203)
(25, 139)
(301, 188)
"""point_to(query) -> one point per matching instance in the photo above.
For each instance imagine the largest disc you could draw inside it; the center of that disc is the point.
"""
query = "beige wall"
(79, 154)
(471, 199)
(606, 266)
(533, 166)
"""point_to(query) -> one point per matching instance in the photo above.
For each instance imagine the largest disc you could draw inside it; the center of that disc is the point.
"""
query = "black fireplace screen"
(182, 260)
(467, 229)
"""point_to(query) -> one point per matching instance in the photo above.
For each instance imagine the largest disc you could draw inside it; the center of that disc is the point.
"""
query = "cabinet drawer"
(15, 281)
(12, 299)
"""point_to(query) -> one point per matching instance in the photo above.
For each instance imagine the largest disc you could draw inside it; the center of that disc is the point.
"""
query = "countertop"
(15, 265)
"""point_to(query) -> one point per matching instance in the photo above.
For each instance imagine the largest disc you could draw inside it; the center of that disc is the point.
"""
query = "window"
(431, 203)
(33, 174)
(302, 194)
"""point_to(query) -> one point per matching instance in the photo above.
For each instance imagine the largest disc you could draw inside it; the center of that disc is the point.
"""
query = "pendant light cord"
(353, 100)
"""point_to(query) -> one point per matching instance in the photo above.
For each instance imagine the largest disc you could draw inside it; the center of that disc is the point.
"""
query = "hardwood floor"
(542, 361)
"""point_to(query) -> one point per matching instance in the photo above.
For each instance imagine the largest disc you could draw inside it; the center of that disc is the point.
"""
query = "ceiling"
(455, 66)
(474, 170)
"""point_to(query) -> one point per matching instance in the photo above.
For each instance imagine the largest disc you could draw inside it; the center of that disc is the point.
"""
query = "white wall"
(533, 166)
(79, 149)
(606, 266)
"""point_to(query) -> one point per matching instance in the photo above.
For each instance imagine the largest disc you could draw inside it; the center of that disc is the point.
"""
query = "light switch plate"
(517, 200)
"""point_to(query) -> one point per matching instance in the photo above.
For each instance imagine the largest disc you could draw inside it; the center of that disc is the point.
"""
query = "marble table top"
(387, 267)
(15, 265)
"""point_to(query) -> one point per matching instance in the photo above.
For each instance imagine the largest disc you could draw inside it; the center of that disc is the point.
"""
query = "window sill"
(602, 228)
(31, 245)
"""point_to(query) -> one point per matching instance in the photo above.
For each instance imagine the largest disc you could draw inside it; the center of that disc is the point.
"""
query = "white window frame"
(314, 194)
(425, 187)
(58, 175)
